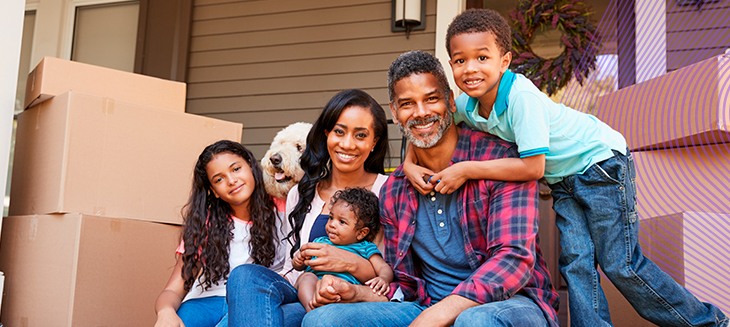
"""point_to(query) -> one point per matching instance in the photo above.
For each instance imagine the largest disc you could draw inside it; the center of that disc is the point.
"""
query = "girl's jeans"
(258, 296)
(598, 223)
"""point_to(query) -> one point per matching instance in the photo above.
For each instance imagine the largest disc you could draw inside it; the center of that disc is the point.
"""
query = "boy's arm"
(415, 173)
(503, 169)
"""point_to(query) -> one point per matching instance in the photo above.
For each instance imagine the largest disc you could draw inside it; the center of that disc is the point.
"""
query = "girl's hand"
(168, 318)
(379, 286)
(418, 175)
(450, 179)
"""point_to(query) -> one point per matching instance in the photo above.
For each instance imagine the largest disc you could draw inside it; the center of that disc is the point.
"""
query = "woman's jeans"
(258, 296)
(598, 223)
(517, 311)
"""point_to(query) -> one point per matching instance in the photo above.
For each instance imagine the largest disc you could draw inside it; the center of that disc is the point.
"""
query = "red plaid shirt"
(500, 221)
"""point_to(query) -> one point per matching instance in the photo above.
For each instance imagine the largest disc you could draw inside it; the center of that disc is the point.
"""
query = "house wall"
(267, 64)
(696, 34)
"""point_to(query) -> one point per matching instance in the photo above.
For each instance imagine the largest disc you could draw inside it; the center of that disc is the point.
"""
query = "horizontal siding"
(694, 35)
(270, 63)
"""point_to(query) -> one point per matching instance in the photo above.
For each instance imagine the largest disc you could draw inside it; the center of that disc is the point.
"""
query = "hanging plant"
(579, 39)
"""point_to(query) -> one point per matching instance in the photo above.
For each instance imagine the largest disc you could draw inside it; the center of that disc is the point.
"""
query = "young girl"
(354, 220)
(229, 220)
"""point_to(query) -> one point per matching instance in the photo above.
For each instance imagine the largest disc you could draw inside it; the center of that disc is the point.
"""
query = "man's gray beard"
(444, 124)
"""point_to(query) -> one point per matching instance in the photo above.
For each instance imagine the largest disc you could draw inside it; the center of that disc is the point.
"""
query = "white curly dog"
(281, 161)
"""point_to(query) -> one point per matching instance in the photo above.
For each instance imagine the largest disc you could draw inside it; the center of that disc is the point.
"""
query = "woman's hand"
(330, 258)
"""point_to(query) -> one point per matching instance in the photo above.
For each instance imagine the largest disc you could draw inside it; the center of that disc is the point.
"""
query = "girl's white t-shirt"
(240, 253)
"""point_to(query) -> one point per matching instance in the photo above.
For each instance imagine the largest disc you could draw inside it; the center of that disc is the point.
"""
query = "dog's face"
(281, 161)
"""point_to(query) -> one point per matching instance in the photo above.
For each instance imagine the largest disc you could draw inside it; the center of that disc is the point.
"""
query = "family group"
(450, 237)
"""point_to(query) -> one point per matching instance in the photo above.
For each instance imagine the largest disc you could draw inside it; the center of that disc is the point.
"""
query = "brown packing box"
(692, 248)
(55, 76)
(689, 106)
(94, 155)
(78, 270)
(694, 178)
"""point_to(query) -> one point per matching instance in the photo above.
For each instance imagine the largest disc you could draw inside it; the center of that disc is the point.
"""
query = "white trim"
(651, 39)
(446, 10)
(12, 13)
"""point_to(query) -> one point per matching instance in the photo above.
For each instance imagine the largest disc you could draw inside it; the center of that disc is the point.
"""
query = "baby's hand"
(378, 285)
(298, 260)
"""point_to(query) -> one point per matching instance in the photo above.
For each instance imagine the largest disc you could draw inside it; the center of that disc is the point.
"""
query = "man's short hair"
(481, 20)
(416, 62)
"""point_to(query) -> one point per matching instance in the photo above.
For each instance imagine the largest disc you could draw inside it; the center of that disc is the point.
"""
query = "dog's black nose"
(275, 159)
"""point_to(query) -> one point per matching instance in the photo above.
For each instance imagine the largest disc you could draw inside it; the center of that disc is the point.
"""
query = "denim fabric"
(371, 314)
(517, 311)
(203, 312)
(258, 296)
(598, 223)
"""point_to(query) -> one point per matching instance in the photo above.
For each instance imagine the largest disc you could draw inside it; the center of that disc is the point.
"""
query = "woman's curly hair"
(208, 226)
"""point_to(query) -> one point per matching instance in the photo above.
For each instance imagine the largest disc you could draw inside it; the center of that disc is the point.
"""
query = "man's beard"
(427, 141)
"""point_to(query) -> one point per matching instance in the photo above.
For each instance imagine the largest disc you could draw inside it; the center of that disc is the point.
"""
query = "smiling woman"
(346, 147)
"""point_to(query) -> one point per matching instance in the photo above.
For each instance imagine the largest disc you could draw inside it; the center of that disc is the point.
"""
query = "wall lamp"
(408, 15)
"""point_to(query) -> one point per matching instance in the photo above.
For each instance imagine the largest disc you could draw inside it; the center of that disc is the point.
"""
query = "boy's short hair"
(417, 62)
(364, 204)
(481, 20)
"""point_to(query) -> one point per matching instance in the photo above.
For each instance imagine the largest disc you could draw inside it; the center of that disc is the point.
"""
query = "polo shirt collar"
(505, 85)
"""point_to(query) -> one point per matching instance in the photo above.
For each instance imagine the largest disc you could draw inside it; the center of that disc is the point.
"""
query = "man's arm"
(444, 312)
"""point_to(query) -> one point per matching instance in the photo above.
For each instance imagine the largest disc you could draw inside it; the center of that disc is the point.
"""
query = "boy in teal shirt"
(586, 164)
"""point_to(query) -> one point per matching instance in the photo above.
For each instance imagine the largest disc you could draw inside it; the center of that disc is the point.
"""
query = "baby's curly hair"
(481, 20)
(364, 204)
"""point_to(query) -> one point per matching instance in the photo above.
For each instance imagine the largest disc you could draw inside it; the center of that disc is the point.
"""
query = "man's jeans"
(203, 312)
(598, 223)
(258, 296)
(517, 311)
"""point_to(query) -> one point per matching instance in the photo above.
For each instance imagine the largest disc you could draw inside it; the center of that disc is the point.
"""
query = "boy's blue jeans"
(598, 223)
(258, 296)
(517, 311)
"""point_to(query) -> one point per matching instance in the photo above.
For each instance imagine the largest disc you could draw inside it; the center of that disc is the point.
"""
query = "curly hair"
(364, 204)
(315, 160)
(417, 62)
(208, 227)
(481, 20)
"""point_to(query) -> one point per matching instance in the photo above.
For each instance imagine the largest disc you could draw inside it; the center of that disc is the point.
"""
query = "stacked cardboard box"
(103, 165)
(677, 128)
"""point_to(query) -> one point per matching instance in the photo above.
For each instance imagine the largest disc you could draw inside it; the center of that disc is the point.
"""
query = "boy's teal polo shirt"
(571, 140)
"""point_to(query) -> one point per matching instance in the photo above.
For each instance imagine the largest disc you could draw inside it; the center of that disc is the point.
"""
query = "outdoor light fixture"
(408, 15)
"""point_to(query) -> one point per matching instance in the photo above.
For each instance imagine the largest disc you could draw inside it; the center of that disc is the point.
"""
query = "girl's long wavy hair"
(315, 160)
(208, 226)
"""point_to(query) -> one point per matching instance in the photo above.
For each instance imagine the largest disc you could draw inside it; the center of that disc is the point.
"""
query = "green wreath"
(580, 40)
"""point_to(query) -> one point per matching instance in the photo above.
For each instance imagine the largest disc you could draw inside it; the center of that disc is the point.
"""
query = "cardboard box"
(692, 248)
(55, 76)
(79, 270)
(689, 106)
(683, 179)
(94, 155)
